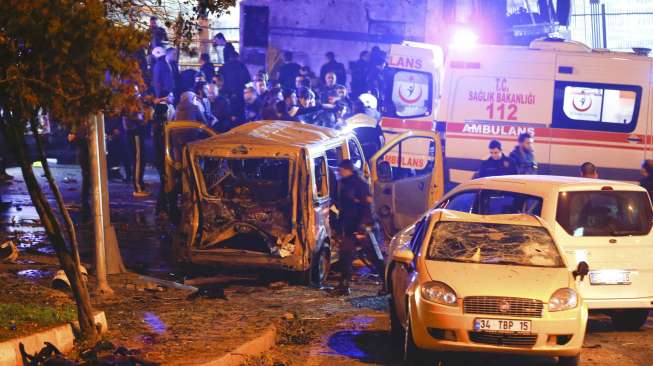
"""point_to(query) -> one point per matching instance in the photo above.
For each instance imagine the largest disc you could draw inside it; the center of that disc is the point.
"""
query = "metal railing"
(612, 26)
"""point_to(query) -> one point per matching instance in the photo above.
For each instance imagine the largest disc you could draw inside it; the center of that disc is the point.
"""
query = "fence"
(613, 25)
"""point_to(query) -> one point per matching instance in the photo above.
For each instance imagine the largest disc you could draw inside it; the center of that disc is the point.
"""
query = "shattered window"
(334, 156)
(473, 242)
(255, 179)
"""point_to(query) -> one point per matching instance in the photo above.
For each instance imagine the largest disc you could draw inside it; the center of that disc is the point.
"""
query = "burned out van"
(261, 195)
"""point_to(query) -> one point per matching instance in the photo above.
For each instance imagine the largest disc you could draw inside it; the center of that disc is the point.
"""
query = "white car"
(604, 223)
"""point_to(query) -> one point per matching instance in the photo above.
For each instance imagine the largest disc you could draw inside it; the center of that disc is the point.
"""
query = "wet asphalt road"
(361, 339)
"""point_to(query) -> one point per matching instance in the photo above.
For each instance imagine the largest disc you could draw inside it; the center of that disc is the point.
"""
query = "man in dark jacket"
(355, 207)
(524, 156)
(288, 71)
(207, 68)
(647, 180)
(163, 74)
(359, 70)
(134, 125)
(335, 67)
(253, 105)
(497, 164)
(158, 36)
(235, 75)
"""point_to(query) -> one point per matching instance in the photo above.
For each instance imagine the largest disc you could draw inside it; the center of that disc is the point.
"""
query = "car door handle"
(634, 139)
(387, 191)
(420, 186)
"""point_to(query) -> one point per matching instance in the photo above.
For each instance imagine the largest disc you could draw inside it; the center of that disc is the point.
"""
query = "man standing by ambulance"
(524, 156)
(497, 164)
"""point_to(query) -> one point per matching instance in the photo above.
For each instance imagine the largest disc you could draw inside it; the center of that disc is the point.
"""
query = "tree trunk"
(14, 133)
(70, 226)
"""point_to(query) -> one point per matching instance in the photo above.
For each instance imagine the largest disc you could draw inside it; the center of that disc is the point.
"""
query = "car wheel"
(629, 319)
(397, 331)
(569, 360)
(321, 266)
(413, 355)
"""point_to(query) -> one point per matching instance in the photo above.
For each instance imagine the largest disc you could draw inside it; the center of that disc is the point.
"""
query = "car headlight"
(439, 293)
(563, 299)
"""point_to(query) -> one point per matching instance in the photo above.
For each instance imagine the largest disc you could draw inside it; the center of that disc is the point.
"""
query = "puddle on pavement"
(153, 322)
(34, 241)
(367, 346)
(34, 274)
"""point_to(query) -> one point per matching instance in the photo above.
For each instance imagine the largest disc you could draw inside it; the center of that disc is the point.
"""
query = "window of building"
(593, 106)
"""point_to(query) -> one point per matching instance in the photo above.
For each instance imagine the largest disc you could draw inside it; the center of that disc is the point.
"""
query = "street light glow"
(463, 38)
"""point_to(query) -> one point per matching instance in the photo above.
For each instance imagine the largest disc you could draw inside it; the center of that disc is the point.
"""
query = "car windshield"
(486, 243)
(252, 179)
(604, 213)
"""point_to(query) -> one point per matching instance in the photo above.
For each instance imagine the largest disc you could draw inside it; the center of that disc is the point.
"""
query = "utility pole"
(107, 253)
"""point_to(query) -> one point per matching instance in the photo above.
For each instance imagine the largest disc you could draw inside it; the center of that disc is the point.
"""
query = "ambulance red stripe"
(560, 133)
(552, 142)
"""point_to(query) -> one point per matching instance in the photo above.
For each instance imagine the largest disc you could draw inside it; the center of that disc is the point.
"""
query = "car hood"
(471, 279)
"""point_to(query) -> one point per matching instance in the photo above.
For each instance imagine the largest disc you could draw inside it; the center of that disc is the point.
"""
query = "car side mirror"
(384, 171)
(404, 256)
(582, 270)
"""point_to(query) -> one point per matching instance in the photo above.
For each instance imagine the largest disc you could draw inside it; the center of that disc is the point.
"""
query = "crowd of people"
(225, 97)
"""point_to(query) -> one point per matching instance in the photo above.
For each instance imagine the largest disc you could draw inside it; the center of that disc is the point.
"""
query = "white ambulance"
(581, 104)
(409, 102)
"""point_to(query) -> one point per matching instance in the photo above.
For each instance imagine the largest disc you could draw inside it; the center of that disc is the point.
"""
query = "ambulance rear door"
(600, 113)
(412, 88)
(494, 93)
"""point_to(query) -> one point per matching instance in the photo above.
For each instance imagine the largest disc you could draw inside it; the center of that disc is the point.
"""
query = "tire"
(397, 331)
(413, 355)
(629, 320)
(569, 360)
(320, 267)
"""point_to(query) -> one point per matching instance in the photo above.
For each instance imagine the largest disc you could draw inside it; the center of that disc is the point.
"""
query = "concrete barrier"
(61, 337)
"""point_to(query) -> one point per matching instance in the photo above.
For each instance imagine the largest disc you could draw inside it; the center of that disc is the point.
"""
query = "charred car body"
(261, 195)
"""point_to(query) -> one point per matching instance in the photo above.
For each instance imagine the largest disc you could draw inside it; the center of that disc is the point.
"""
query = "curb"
(248, 349)
(61, 337)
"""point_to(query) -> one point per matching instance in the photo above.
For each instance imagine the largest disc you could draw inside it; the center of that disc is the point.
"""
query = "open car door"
(176, 135)
(407, 178)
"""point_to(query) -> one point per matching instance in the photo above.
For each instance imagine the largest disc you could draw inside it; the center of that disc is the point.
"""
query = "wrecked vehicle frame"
(262, 194)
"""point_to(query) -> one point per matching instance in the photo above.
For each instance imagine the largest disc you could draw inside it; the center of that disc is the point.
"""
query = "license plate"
(502, 325)
(609, 277)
